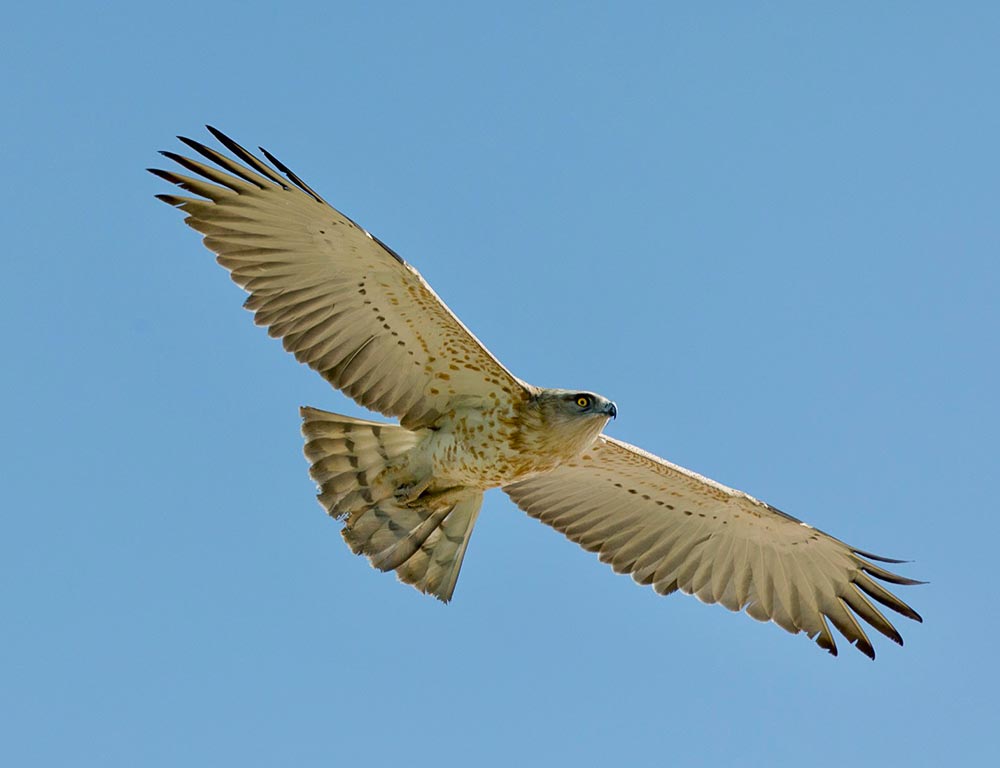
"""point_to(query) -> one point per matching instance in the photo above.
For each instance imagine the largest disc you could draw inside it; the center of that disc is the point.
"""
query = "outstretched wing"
(677, 530)
(341, 301)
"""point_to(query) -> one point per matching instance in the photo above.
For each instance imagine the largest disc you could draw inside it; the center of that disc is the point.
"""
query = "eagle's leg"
(410, 493)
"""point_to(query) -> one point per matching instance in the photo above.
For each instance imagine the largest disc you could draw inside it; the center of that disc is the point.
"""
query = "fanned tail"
(361, 467)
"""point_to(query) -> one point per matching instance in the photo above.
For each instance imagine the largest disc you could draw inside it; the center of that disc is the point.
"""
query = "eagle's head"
(561, 406)
(566, 421)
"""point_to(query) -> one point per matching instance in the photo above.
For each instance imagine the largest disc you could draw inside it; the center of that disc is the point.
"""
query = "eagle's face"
(563, 422)
(573, 417)
(566, 405)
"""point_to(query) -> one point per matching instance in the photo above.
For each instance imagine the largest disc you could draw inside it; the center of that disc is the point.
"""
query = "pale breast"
(476, 447)
(491, 447)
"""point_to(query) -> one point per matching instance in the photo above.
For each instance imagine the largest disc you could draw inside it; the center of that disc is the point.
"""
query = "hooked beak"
(611, 409)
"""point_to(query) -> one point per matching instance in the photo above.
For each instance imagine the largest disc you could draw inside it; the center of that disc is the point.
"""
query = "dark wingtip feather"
(233, 180)
(247, 157)
(197, 146)
(879, 558)
(235, 168)
(826, 643)
(291, 175)
(171, 200)
(165, 175)
(219, 135)
(889, 576)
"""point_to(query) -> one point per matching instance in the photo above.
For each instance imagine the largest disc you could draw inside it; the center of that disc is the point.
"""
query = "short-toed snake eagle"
(408, 494)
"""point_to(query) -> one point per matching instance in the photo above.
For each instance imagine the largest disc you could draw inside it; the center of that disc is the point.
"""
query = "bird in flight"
(408, 494)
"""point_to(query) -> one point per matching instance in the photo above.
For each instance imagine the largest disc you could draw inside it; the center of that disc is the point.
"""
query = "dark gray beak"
(611, 409)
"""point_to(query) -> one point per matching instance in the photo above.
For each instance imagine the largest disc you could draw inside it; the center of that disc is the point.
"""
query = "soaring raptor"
(408, 494)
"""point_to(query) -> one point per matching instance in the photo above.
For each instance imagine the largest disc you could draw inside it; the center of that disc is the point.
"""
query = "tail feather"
(352, 459)
(359, 466)
(404, 544)
(435, 566)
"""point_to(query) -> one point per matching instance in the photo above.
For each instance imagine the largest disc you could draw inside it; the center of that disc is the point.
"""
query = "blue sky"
(770, 234)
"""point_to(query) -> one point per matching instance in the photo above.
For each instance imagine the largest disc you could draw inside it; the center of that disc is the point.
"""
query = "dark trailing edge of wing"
(388, 250)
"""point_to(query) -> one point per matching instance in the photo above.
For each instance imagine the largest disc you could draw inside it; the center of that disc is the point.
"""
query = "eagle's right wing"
(341, 301)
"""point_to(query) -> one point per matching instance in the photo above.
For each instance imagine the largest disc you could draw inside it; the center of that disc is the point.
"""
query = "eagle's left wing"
(677, 530)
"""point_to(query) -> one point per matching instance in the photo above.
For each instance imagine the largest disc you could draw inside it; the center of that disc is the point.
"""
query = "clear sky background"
(769, 231)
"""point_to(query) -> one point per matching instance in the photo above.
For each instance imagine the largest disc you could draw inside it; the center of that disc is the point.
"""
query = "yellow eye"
(582, 401)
